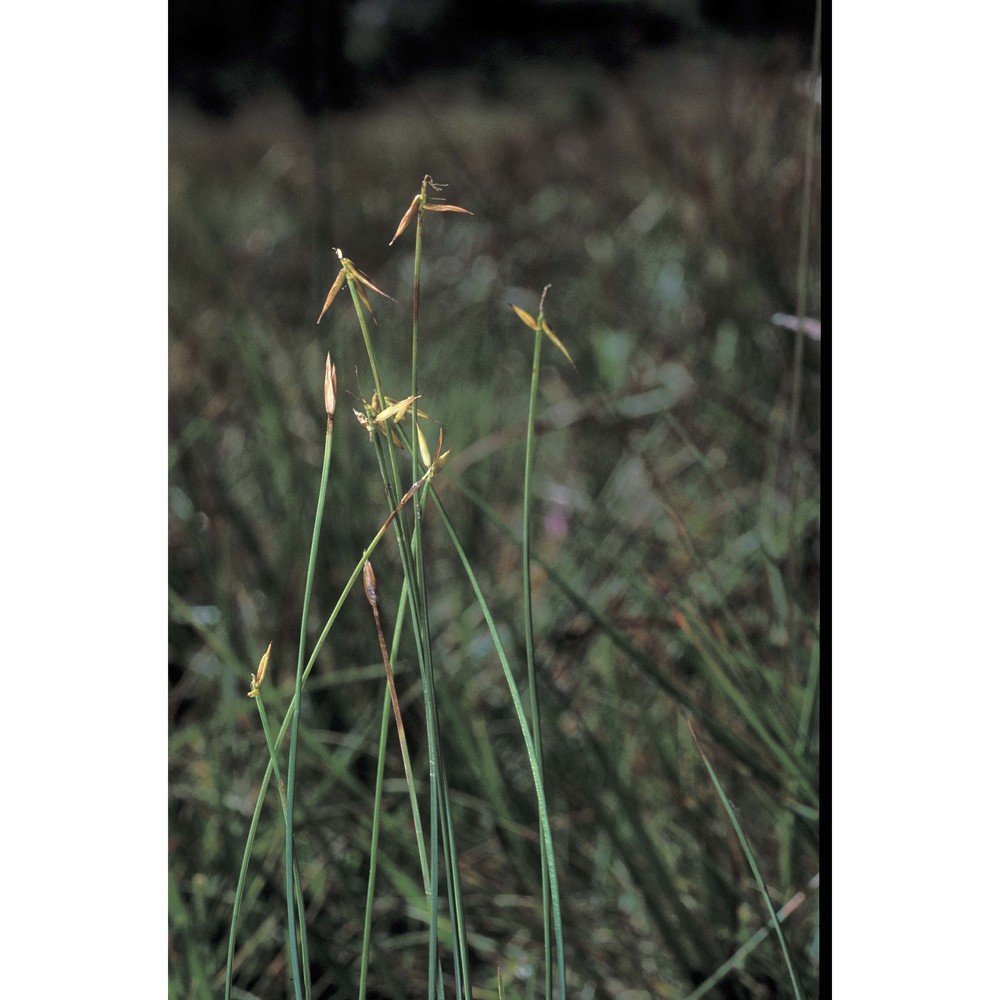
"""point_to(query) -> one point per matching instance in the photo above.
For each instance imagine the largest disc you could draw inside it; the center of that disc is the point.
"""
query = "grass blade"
(751, 861)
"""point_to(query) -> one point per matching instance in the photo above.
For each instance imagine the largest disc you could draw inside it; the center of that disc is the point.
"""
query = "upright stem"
(390, 474)
(296, 707)
(418, 249)
(529, 633)
(545, 827)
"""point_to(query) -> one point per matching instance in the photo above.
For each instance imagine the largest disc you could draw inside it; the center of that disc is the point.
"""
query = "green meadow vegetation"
(515, 550)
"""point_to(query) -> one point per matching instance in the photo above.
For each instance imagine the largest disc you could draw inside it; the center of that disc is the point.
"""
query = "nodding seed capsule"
(371, 591)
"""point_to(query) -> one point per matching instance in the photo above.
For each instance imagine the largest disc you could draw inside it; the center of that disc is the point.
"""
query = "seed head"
(330, 389)
(371, 588)
(257, 679)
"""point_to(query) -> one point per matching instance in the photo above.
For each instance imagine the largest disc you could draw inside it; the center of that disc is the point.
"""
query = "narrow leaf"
(751, 861)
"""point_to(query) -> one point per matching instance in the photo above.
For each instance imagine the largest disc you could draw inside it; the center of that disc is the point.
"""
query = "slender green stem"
(377, 811)
(415, 318)
(544, 824)
(404, 749)
(723, 735)
(296, 707)
(787, 829)
(241, 882)
(529, 634)
(286, 722)
(299, 896)
(366, 938)
(463, 981)
(390, 474)
(752, 942)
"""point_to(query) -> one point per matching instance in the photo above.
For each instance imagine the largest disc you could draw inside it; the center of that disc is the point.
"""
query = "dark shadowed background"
(649, 162)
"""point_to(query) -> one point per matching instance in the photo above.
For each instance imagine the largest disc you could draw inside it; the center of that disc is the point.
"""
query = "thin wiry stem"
(544, 824)
(529, 632)
(296, 706)
(390, 474)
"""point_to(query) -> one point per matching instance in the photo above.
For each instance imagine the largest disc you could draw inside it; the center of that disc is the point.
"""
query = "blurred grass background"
(662, 200)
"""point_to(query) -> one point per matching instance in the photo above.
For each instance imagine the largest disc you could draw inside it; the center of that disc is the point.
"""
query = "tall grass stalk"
(755, 940)
(418, 206)
(751, 861)
(529, 631)
(286, 722)
(536, 774)
(389, 470)
(392, 700)
(739, 747)
(273, 757)
(330, 395)
(440, 817)
(371, 592)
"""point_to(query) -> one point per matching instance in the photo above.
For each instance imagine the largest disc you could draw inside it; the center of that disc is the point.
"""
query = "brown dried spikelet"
(555, 340)
(425, 452)
(330, 389)
(360, 275)
(262, 666)
(363, 295)
(397, 411)
(366, 423)
(529, 321)
(257, 679)
(407, 219)
(438, 464)
(332, 294)
(446, 208)
(540, 323)
(371, 588)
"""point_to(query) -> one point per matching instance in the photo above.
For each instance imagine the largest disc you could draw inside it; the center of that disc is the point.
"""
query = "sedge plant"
(394, 431)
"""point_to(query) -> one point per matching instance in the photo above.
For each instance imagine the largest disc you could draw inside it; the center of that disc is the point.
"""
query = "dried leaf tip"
(257, 679)
(371, 588)
(330, 389)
